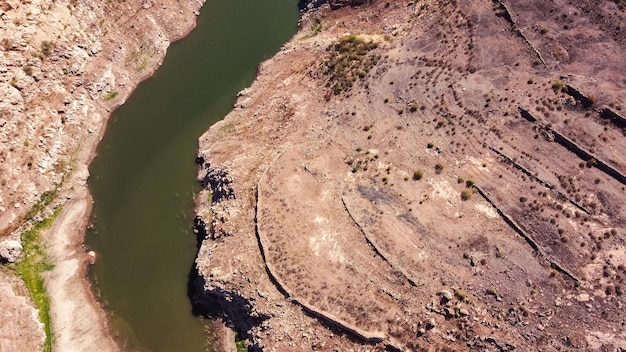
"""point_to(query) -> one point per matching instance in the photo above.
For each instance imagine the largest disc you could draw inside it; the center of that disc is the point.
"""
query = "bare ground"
(322, 234)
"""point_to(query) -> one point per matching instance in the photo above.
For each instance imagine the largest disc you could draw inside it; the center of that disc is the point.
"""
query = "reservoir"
(144, 177)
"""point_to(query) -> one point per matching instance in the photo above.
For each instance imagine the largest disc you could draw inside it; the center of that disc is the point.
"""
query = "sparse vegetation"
(349, 60)
(413, 107)
(591, 99)
(466, 194)
(240, 344)
(430, 145)
(316, 26)
(469, 182)
(462, 296)
(46, 47)
(30, 268)
(28, 70)
(558, 85)
(418, 174)
(6, 43)
(438, 167)
(110, 95)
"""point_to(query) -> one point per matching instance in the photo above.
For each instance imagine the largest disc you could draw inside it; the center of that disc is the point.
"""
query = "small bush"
(459, 179)
(591, 162)
(418, 174)
(470, 183)
(439, 167)
(558, 85)
(110, 96)
(543, 30)
(462, 296)
(414, 107)
(531, 80)
(7, 44)
(430, 145)
(591, 99)
(46, 47)
(466, 194)
(28, 70)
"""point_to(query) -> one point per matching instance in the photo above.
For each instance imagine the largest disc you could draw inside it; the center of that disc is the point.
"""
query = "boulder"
(10, 250)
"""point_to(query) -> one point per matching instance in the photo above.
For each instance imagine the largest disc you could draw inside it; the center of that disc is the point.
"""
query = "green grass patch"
(33, 263)
(240, 344)
(110, 96)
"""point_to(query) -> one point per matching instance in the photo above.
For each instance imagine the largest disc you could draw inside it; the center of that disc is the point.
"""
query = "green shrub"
(350, 59)
(470, 183)
(466, 194)
(418, 174)
(28, 70)
(46, 47)
(558, 85)
(110, 96)
(462, 296)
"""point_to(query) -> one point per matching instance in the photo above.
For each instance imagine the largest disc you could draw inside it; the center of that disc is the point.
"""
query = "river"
(144, 178)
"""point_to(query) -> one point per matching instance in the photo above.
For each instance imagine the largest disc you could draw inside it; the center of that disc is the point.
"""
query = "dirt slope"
(456, 184)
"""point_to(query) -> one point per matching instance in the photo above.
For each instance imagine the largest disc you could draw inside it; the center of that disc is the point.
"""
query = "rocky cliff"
(381, 185)
(64, 66)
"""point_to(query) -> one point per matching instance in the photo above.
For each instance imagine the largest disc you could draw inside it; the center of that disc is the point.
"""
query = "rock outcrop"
(10, 250)
(64, 66)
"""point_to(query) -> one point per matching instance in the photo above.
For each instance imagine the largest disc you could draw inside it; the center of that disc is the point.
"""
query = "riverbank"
(64, 68)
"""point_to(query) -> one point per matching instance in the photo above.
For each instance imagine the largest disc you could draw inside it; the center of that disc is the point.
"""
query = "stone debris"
(10, 250)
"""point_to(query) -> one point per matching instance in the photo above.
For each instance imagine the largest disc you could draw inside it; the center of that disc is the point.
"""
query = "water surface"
(143, 179)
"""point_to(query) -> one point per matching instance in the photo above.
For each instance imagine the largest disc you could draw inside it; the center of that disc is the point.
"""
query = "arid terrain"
(402, 175)
(425, 175)
(64, 65)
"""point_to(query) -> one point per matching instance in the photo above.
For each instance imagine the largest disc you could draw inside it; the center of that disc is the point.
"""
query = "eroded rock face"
(335, 4)
(409, 204)
(64, 66)
(10, 250)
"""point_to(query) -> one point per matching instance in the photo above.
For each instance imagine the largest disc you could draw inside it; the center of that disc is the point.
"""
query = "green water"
(143, 179)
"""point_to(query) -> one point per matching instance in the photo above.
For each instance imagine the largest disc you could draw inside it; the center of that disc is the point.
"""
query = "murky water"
(143, 179)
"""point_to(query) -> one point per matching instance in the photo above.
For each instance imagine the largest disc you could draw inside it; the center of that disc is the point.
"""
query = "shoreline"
(70, 292)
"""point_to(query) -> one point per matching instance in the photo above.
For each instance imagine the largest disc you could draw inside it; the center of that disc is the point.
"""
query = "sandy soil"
(78, 322)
